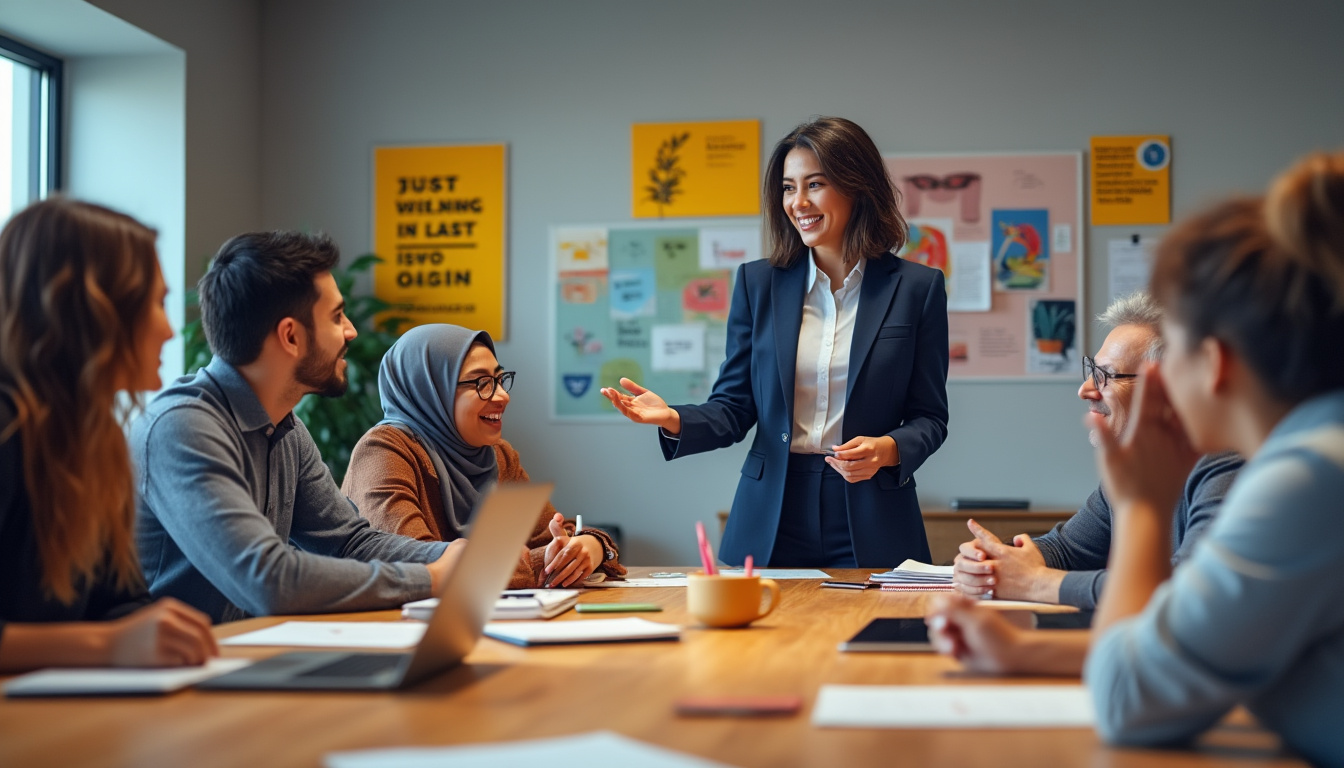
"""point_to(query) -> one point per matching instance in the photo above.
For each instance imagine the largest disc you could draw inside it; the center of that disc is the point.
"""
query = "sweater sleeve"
(384, 483)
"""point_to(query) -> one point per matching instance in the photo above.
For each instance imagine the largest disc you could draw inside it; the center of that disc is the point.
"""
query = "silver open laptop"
(500, 527)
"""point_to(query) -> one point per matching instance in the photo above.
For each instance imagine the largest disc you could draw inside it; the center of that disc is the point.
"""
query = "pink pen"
(706, 554)
(746, 568)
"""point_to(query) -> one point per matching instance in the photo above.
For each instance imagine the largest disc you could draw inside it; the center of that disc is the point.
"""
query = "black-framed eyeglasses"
(485, 385)
(1100, 376)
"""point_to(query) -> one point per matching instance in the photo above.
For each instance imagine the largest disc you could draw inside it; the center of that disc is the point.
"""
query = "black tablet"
(890, 635)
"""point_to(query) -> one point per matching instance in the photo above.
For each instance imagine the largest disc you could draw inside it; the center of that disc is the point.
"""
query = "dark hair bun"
(1304, 212)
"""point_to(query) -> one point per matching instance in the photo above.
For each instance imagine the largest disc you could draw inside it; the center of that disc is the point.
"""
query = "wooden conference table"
(506, 693)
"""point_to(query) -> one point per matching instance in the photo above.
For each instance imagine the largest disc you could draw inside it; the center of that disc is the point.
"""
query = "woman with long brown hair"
(837, 354)
(81, 319)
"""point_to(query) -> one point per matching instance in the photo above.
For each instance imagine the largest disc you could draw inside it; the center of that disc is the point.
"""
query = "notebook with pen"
(512, 604)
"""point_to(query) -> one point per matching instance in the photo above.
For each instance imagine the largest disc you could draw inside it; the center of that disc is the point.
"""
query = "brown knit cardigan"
(393, 482)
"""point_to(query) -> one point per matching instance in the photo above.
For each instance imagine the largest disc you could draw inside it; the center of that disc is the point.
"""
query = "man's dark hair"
(256, 280)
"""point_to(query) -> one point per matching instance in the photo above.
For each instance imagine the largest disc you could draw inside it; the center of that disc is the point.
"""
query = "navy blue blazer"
(897, 387)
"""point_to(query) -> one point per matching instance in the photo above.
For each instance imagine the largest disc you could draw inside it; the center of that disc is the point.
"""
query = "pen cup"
(729, 601)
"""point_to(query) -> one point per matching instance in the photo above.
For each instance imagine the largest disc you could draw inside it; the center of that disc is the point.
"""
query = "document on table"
(335, 634)
(780, 573)
(609, 584)
(112, 681)
(953, 706)
(588, 631)
(560, 752)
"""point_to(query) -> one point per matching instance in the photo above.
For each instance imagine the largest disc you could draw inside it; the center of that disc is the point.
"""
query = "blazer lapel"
(787, 289)
(879, 288)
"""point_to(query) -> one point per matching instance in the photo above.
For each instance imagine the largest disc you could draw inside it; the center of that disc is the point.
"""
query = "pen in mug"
(746, 567)
(706, 554)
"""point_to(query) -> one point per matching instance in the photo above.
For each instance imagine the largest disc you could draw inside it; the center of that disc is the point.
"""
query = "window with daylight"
(30, 104)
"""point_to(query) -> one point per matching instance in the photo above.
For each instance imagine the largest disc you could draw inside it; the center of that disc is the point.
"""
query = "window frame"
(52, 69)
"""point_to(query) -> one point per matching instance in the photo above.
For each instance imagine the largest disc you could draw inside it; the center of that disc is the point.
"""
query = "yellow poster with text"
(696, 169)
(1131, 180)
(439, 222)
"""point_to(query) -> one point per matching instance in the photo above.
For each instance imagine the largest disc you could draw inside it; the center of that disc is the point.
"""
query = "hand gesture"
(164, 634)
(569, 559)
(859, 458)
(643, 407)
(987, 566)
(1151, 461)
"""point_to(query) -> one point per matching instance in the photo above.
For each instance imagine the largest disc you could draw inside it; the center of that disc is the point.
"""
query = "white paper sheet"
(335, 634)
(969, 286)
(103, 682)
(640, 583)
(953, 706)
(728, 248)
(578, 751)
(678, 347)
(779, 573)
(588, 631)
(1129, 265)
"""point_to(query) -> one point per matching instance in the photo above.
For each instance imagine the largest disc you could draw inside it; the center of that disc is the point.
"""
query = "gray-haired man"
(1067, 565)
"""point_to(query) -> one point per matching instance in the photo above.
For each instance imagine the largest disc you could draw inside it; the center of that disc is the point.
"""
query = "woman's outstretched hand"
(643, 407)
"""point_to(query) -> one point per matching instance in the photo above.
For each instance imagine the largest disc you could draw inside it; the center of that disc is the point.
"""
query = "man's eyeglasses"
(485, 385)
(1100, 376)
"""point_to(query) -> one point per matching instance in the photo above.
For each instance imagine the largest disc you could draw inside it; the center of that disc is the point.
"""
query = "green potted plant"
(1053, 326)
(336, 424)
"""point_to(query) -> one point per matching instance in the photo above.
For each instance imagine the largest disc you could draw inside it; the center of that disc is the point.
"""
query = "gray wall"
(221, 39)
(1243, 88)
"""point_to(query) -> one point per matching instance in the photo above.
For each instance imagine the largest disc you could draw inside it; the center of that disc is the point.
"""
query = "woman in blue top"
(1254, 299)
(837, 354)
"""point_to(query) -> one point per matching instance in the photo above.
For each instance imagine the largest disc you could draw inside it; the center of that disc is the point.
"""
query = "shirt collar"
(246, 408)
(855, 274)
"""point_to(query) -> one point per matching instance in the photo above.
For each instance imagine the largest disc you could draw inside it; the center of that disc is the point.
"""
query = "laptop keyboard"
(357, 665)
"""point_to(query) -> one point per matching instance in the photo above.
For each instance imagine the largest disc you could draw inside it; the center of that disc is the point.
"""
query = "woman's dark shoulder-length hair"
(852, 164)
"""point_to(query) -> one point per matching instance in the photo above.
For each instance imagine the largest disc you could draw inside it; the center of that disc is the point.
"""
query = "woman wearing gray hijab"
(420, 471)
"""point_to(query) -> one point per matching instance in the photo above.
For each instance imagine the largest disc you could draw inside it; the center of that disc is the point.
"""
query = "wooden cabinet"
(947, 528)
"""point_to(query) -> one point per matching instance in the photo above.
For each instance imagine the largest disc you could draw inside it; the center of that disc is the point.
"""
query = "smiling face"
(323, 367)
(479, 422)
(818, 210)
(152, 333)
(1122, 352)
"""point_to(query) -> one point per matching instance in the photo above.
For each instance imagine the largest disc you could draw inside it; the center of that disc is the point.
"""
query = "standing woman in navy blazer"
(834, 345)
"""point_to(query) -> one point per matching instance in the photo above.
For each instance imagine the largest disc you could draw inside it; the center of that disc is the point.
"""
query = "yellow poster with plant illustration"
(439, 222)
(696, 169)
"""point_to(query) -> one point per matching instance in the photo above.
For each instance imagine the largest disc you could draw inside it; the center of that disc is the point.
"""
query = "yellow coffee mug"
(729, 601)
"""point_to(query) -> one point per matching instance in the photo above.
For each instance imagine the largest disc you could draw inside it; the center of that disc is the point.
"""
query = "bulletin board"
(1007, 232)
(645, 301)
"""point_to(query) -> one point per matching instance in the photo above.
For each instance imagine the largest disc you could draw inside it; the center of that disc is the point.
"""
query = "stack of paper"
(512, 604)
(913, 576)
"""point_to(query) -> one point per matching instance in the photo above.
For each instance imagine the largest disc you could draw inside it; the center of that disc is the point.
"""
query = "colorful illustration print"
(1021, 250)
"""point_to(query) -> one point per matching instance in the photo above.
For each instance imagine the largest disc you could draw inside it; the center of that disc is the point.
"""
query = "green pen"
(617, 607)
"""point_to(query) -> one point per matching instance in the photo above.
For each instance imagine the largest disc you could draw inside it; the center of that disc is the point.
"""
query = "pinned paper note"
(729, 248)
(580, 250)
(968, 287)
(678, 347)
(633, 293)
(1129, 265)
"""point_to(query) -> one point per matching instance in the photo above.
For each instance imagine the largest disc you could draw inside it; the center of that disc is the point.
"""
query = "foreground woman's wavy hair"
(75, 285)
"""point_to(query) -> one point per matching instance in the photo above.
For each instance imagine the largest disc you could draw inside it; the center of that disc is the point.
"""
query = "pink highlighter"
(706, 554)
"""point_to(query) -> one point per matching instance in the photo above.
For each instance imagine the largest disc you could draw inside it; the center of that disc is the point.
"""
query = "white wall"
(125, 148)
(1242, 87)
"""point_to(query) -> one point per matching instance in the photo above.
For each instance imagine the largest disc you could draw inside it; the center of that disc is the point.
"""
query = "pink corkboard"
(968, 190)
